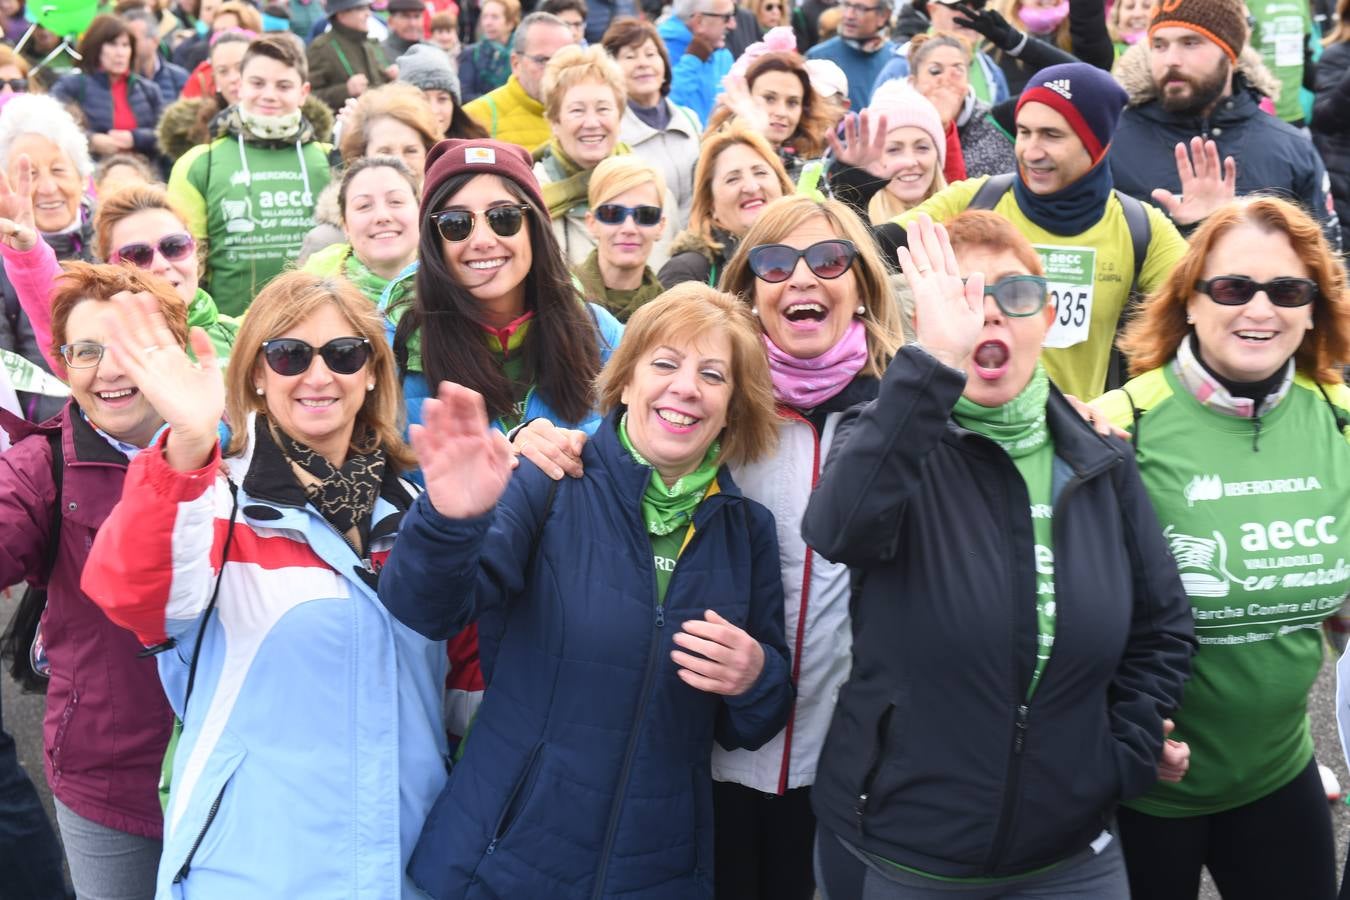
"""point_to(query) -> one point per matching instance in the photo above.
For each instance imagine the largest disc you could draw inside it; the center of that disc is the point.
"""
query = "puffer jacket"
(509, 114)
(586, 775)
(107, 721)
(816, 596)
(693, 259)
(936, 758)
(315, 748)
(1272, 156)
(1331, 122)
(92, 93)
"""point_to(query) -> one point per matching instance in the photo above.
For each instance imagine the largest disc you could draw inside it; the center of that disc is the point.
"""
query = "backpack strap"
(58, 512)
(1141, 235)
(1342, 420)
(993, 189)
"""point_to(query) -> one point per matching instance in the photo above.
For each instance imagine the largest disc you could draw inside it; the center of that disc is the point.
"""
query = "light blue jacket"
(694, 83)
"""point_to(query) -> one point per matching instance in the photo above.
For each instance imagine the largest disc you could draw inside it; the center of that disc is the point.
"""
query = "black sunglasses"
(827, 259)
(1019, 296)
(292, 356)
(614, 214)
(1235, 290)
(17, 85)
(142, 255)
(456, 225)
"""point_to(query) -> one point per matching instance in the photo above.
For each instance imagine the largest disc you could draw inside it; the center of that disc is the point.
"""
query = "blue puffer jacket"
(93, 95)
(587, 773)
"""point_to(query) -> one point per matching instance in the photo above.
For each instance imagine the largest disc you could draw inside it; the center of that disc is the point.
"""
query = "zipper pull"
(1020, 736)
(491, 847)
(660, 616)
(859, 809)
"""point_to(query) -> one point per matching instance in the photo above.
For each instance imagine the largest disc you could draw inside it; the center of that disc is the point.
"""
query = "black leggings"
(1278, 846)
(764, 843)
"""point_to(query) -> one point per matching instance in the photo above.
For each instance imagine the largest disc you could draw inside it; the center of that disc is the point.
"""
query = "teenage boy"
(250, 194)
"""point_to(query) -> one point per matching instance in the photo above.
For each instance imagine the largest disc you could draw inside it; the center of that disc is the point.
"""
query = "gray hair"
(43, 115)
(533, 19)
(141, 14)
(684, 10)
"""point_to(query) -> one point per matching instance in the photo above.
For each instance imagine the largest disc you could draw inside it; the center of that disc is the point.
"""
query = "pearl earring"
(1189, 319)
(371, 386)
(258, 391)
(862, 310)
(754, 312)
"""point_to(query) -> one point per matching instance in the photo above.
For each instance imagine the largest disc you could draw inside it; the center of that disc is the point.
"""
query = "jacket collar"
(1076, 443)
(79, 442)
(1235, 109)
(518, 98)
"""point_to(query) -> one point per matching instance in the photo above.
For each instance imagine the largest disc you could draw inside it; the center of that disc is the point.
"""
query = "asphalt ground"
(23, 718)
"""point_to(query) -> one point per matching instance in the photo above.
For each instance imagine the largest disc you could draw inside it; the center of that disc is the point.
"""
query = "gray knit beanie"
(428, 68)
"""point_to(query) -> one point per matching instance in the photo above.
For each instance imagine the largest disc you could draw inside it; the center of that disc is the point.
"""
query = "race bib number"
(1288, 50)
(1071, 273)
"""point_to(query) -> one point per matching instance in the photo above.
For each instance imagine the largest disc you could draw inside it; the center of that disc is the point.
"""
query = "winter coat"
(170, 78)
(1331, 122)
(694, 82)
(509, 114)
(936, 758)
(673, 151)
(327, 229)
(480, 65)
(694, 259)
(315, 748)
(985, 146)
(337, 55)
(586, 774)
(92, 93)
(107, 722)
(816, 596)
(190, 121)
(1273, 156)
(860, 68)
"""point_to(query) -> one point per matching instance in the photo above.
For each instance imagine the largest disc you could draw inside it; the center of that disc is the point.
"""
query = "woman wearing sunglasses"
(821, 296)
(638, 616)
(1238, 415)
(626, 219)
(312, 744)
(1019, 630)
(107, 722)
(137, 226)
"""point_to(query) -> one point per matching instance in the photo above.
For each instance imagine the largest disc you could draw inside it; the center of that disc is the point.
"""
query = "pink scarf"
(807, 383)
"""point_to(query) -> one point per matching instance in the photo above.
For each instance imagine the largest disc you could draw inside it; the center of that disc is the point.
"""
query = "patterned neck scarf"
(666, 508)
(1211, 392)
(1017, 426)
(344, 496)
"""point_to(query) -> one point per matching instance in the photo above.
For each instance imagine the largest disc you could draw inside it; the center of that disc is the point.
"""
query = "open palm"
(1206, 184)
(17, 228)
(465, 464)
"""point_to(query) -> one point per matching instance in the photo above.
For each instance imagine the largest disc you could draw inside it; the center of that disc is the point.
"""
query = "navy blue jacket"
(93, 95)
(170, 78)
(587, 771)
(935, 758)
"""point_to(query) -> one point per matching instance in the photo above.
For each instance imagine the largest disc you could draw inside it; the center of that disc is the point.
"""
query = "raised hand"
(717, 656)
(863, 144)
(989, 23)
(189, 396)
(948, 313)
(555, 450)
(1205, 184)
(17, 229)
(1176, 756)
(465, 464)
(736, 97)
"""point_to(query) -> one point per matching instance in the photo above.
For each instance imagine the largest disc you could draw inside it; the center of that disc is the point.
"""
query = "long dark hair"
(463, 125)
(561, 354)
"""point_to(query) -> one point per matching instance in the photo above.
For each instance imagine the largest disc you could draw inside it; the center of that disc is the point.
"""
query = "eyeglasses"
(725, 17)
(292, 356)
(82, 354)
(1019, 296)
(614, 214)
(17, 85)
(172, 247)
(1235, 290)
(827, 259)
(456, 225)
(858, 8)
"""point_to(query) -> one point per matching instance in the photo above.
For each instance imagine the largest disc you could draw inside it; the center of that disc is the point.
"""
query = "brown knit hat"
(1222, 21)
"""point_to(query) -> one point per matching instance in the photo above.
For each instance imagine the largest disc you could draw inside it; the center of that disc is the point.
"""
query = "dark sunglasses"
(827, 259)
(292, 356)
(17, 85)
(1235, 290)
(1019, 296)
(456, 225)
(614, 214)
(172, 247)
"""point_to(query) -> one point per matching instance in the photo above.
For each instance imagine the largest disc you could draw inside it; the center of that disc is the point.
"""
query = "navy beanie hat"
(1089, 98)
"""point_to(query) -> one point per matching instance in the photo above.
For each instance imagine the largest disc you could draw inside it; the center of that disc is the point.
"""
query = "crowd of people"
(587, 448)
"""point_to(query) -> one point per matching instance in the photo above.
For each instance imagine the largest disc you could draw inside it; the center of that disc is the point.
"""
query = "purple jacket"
(107, 721)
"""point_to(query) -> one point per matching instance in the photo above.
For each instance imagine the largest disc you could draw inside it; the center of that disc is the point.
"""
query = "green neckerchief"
(370, 284)
(1019, 427)
(569, 191)
(622, 303)
(203, 314)
(664, 509)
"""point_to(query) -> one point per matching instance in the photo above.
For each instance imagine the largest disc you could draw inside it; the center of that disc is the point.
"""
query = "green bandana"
(665, 509)
(371, 285)
(569, 188)
(1018, 426)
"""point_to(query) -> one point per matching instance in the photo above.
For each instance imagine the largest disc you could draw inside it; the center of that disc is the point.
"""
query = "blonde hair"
(573, 65)
(687, 312)
(399, 101)
(292, 298)
(249, 17)
(618, 174)
(885, 206)
(1151, 338)
(881, 315)
(714, 144)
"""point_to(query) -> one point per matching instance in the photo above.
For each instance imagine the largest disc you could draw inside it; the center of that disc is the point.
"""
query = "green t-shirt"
(1281, 29)
(665, 552)
(1035, 470)
(1089, 273)
(1261, 538)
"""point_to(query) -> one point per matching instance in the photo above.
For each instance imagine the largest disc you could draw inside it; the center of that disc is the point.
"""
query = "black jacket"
(935, 758)
(1331, 122)
(1272, 156)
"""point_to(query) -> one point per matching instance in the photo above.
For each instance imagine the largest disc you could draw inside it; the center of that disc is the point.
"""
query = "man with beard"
(1202, 85)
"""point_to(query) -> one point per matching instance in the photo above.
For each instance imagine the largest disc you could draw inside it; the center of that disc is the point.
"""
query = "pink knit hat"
(902, 105)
